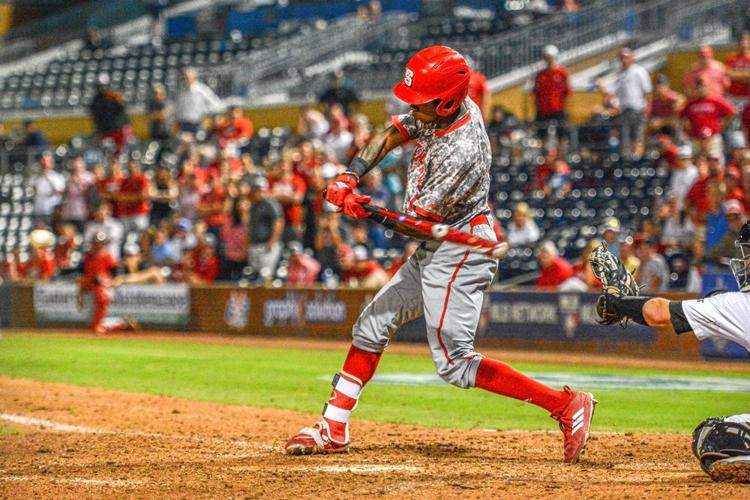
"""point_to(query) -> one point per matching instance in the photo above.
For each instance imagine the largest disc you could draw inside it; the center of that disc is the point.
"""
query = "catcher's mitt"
(718, 438)
(616, 280)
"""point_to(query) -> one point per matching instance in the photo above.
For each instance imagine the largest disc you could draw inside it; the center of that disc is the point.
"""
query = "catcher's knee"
(460, 372)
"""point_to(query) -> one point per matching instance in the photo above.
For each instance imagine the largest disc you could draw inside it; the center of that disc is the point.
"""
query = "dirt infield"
(86, 443)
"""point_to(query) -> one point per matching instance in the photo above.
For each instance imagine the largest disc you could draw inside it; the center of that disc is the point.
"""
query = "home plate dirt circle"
(68, 441)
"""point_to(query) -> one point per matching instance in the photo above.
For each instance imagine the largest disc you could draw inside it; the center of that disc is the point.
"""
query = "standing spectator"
(134, 199)
(631, 88)
(716, 219)
(551, 90)
(110, 117)
(653, 273)
(738, 70)
(103, 222)
(158, 113)
(163, 193)
(705, 116)
(312, 124)
(266, 228)
(709, 71)
(215, 205)
(522, 230)
(75, 207)
(235, 240)
(48, 190)
(40, 266)
(611, 235)
(339, 92)
(303, 270)
(288, 188)
(479, 91)
(554, 269)
(697, 199)
(684, 175)
(338, 139)
(195, 102)
(109, 187)
(665, 109)
(190, 195)
(32, 136)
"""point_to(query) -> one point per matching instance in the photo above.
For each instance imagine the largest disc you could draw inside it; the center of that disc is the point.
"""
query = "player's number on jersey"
(408, 77)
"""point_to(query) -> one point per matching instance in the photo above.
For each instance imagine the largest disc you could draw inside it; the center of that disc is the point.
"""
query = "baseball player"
(721, 444)
(448, 181)
(98, 265)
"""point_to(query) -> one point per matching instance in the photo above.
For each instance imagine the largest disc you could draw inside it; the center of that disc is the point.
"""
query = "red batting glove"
(353, 206)
(340, 188)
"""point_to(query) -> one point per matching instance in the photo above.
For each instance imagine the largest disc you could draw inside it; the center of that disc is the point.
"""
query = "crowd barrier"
(510, 319)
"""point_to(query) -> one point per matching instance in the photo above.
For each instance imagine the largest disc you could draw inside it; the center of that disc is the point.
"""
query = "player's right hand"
(340, 188)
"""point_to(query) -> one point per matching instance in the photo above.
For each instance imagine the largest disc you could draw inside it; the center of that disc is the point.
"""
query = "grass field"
(293, 379)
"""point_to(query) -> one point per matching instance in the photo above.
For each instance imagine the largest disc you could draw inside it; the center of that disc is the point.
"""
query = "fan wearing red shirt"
(665, 108)
(551, 90)
(98, 265)
(705, 116)
(745, 122)
(109, 187)
(40, 267)
(288, 188)
(738, 69)
(203, 264)
(134, 200)
(213, 207)
(479, 92)
(697, 201)
(555, 269)
(235, 127)
(361, 271)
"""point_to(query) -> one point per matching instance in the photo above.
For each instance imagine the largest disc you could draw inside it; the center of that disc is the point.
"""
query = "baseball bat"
(440, 232)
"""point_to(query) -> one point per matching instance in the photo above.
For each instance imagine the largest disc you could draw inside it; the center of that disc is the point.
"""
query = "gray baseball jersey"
(725, 316)
(448, 180)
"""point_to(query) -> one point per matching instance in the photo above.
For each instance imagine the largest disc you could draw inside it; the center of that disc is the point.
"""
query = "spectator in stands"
(551, 90)
(158, 113)
(109, 114)
(584, 279)
(558, 184)
(707, 71)
(235, 128)
(329, 244)
(653, 273)
(134, 270)
(554, 269)
(66, 244)
(109, 187)
(362, 271)
(266, 228)
(704, 117)
(189, 196)
(303, 270)
(676, 228)
(163, 192)
(745, 124)
(738, 71)
(103, 222)
(339, 92)
(234, 237)
(684, 174)
(716, 224)
(479, 90)
(501, 128)
(185, 239)
(522, 230)
(612, 235)
(725, 249)
(195, 102)
(163, 250)
(664, 113)
(545, 169)
(312, 124)
(288, 189)
(202, 264)
(49, 187)
(75, 207)
(631, 88)
(32, 136)
(338, 139)
(409, 249)
(627, 255)
(39, 267)
(134, 199)
(215, 205)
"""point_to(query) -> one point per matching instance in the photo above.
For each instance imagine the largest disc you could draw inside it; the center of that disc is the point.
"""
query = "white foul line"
(77, 480)
(45, 424)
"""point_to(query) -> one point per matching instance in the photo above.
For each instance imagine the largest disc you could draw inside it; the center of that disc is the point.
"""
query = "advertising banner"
(159, 305)
(553, 316)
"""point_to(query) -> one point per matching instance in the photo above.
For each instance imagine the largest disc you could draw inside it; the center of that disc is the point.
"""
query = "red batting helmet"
(436, 72)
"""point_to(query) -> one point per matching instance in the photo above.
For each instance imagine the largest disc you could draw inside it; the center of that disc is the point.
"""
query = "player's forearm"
(379, 146)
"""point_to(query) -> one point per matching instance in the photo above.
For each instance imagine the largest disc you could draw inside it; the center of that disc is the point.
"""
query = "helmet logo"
(408, 77)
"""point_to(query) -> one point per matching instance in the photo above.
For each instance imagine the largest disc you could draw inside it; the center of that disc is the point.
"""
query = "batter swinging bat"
(440, 232)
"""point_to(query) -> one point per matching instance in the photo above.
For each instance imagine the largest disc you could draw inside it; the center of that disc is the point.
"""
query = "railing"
(349, 32)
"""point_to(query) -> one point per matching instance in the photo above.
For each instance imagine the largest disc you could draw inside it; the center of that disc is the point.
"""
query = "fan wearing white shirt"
(195, 101)
(522, 230)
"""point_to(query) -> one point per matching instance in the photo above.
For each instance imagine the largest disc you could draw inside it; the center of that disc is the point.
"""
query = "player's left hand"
(353, 206)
